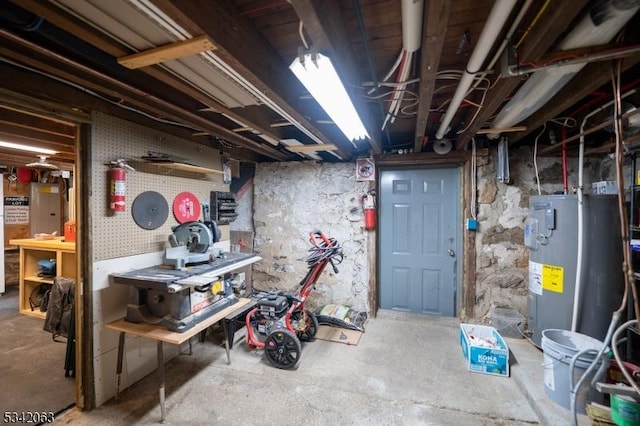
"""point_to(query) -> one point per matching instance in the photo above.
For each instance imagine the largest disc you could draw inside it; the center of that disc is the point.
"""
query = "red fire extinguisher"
(117, 178)
(368, 205)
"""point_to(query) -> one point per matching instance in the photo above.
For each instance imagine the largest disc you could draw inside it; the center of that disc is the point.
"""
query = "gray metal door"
(419, 240)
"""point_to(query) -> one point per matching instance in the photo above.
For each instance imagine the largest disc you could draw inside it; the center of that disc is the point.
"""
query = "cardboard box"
(605, 187)
(481, 359)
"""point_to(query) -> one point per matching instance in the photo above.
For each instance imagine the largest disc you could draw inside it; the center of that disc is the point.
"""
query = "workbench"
(31, 251)
(161, 335)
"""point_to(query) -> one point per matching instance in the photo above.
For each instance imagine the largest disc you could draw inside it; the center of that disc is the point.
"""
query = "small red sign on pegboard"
(186, 207)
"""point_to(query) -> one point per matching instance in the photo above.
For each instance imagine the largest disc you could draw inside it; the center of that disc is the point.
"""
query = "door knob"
(451, 253)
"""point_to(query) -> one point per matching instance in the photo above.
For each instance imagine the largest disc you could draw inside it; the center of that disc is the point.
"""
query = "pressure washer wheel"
(310, 329)
(282, 349)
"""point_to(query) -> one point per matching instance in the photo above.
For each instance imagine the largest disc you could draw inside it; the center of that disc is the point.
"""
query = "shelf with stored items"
(32, 251)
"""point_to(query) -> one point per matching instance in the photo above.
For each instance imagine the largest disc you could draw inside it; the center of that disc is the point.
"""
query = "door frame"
(459, 159)
(83, 305)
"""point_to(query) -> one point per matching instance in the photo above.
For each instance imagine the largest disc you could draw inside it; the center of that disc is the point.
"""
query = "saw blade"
(150, 210)
(186, 207)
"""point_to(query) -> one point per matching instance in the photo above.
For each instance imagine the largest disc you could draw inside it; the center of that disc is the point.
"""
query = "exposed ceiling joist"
(312, 148)
(96, 38)
(501, 130)
(552, 24)
(168, 52)
(325, 24)
(63, 153)
(589, 80)
(123, 92)
(242, 48)
(436, 19)
(9, 131)
(34, 85)
(231, 96)
(19, 119)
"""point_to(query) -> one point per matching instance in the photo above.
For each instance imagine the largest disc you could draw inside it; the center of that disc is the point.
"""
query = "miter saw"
(190, 243)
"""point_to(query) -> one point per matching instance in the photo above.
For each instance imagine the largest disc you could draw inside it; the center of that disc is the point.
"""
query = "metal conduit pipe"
(601, 56)
(499, 14)
(514, 25)
(599, 26)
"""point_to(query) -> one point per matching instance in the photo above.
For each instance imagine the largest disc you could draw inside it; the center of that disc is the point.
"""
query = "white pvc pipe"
(412, 16)
(578, 285)
(499, 14)
(547, 82)
(523, 10)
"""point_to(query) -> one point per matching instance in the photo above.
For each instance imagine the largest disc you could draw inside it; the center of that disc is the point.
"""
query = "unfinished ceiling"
(422, 74)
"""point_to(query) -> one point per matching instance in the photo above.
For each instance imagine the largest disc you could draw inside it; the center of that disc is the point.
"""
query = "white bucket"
(559, 347)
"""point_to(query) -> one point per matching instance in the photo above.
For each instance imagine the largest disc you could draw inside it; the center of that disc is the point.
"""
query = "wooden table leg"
(161, 373)
(119, 365)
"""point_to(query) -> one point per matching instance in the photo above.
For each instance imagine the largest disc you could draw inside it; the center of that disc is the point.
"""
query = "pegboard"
(117, 235)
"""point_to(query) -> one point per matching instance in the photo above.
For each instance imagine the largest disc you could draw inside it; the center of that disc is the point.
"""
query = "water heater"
(551, 233)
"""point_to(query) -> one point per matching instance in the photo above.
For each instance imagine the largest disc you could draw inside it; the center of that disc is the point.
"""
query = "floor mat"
(338, 335)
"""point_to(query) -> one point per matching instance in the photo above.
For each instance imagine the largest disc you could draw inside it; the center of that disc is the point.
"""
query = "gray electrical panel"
(45, 209)
(551, 233)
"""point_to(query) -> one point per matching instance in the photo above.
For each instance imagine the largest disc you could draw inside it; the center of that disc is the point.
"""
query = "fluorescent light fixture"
(321, 80)
(29, 148)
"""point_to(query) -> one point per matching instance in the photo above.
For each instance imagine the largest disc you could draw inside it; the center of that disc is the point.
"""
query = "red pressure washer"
(281, 315)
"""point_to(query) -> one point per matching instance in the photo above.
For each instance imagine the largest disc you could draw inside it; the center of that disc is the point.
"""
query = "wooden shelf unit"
(31, 251)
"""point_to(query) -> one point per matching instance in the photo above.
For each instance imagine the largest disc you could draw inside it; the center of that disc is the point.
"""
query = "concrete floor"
(406, 370)
(32, 375)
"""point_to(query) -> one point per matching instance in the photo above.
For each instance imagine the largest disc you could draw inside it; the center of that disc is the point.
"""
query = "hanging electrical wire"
(304, 41)
(568, 122)
(533, 23)
(535, 156)
(88, 91)
(398, 92)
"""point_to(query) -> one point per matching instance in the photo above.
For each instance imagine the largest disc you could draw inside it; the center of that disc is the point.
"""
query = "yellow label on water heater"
(552, 278)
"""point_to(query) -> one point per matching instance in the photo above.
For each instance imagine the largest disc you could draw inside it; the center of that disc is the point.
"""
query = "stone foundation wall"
(12, 267)
(501, 257)
(291, 201)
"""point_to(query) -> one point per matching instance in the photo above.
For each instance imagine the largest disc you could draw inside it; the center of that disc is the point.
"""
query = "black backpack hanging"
(60, 307)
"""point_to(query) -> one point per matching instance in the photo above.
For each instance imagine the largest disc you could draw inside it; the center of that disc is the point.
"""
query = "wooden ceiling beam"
(586, 82)
(9, 130)
(169, 52)
(61, 113)
(325, 24)
(316, 147)
(51, 13)
(436, 19)
(56, 65)
(245, 50)
(552, 24)
(31, 121)
(35, 85)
